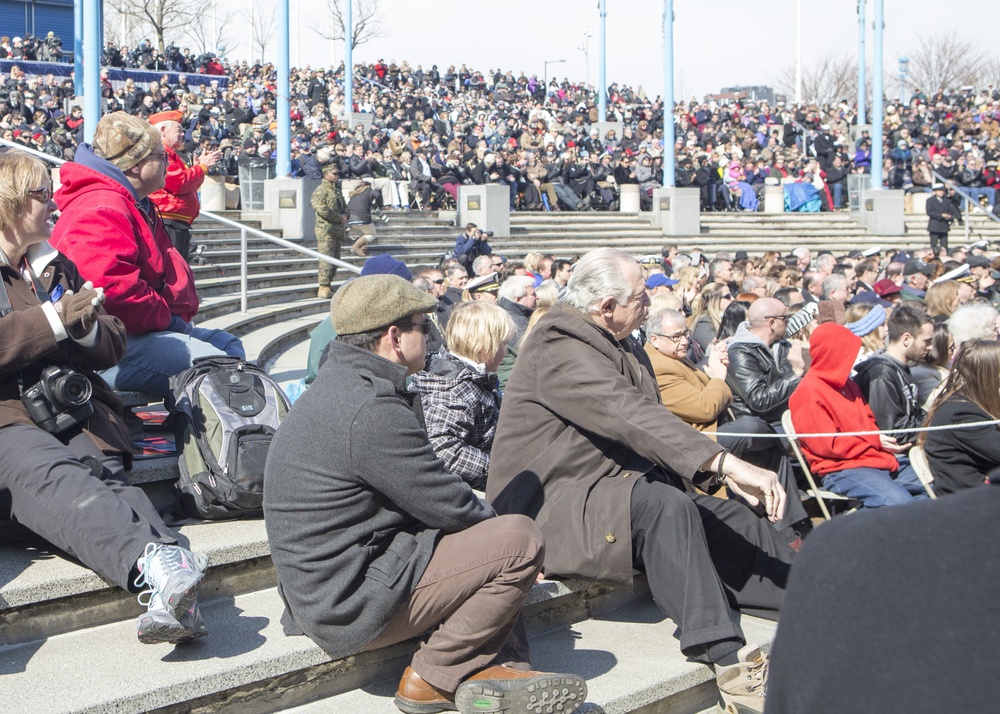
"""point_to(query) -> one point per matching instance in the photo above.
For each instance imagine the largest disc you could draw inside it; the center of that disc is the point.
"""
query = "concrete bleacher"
(67, 640)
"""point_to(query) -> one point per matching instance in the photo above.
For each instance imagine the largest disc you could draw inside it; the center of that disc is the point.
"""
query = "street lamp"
(904, 72)
(546, 73)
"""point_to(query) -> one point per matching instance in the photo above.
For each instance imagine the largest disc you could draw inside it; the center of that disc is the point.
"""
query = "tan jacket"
(688, 392)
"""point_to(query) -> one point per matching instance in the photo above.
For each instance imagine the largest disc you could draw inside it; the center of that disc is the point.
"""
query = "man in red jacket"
(178, 199)
(827, 401)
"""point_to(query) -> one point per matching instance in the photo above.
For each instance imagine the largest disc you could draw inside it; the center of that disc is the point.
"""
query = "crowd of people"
(543, 142)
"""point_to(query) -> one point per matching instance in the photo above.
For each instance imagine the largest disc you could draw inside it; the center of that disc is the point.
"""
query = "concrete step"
(44, 594)
(265, 311)
(629, 658)
(246, 664)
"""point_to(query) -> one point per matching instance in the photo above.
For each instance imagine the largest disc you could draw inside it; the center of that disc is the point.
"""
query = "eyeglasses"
(778, 317)
(424, 327)
(439, 281)
(674, 338)
(42, 194)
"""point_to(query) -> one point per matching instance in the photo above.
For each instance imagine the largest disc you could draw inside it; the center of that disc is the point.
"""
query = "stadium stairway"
(67, 640)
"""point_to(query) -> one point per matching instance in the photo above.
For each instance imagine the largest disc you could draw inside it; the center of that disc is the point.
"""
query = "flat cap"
(375, 301)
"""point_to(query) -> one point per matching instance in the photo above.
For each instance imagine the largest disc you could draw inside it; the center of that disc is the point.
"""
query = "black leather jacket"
(761, 385)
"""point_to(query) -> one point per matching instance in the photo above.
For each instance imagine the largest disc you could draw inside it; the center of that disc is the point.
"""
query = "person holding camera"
(63, 444)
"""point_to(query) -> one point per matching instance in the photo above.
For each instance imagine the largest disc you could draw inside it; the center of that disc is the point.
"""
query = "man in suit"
(942, 211)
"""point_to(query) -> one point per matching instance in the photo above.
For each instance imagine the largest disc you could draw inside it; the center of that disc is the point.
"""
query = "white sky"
(717, 42)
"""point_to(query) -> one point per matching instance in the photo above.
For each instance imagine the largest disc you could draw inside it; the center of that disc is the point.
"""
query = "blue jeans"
(976, 192)
(838, 194)
(876, 488)
(152, 358)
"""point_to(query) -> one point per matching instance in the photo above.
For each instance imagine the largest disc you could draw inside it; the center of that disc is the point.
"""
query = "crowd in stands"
(543, 142)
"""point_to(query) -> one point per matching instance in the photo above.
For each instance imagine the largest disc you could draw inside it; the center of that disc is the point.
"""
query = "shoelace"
(149, 581)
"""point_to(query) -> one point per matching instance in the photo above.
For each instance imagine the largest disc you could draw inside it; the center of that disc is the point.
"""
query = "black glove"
(79, 311)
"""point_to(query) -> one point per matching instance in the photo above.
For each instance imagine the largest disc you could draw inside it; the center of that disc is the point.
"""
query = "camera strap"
(5, 307)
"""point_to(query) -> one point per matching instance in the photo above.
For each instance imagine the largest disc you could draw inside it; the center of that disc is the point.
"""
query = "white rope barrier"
(943, 427)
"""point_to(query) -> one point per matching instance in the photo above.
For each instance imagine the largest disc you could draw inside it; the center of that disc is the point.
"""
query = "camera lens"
(71, 390)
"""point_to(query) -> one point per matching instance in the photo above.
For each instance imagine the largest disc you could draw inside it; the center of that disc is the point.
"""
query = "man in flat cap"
(331, 217)
(374, 542)
(178, 199)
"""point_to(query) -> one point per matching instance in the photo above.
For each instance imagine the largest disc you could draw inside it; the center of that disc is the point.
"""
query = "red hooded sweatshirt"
(828, 401)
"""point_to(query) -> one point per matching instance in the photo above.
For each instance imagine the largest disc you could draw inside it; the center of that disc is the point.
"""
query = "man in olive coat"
(331, 217)
(585, 447)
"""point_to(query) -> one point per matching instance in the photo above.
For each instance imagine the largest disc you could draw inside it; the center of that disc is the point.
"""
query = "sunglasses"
(424, 327)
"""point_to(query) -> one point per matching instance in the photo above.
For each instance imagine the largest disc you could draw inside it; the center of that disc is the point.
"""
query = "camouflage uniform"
(329, 204)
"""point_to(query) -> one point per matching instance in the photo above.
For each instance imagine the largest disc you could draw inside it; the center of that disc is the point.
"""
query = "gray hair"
(656, 318)
(483, 261)
(976, 321)
(516, 286)
(599, 274)
(834, 281)
(751, 283)
(680, 261)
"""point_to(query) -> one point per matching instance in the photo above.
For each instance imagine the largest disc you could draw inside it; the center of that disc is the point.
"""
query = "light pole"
(668, 93)
(904, 73)
(546, 73)
(862, 93)
(602, 76)
(878, 106)
(798, 51)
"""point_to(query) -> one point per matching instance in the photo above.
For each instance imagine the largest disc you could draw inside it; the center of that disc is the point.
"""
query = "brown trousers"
(470, 598)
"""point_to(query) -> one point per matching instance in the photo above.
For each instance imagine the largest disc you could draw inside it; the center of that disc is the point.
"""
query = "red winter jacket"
(178, 199)
(828, 401)
(116, 245)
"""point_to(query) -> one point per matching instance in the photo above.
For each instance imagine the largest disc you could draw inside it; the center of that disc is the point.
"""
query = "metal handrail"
(968, 202)
(245, 231)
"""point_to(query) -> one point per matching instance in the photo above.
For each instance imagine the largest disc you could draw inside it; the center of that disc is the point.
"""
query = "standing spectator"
(331, 217)
(359, 217)
(942, 211)
(177, 201)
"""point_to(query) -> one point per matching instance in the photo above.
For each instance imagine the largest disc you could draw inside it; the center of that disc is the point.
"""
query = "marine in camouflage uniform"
(331, 216)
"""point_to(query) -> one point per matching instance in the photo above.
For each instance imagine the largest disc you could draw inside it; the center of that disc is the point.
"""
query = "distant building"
(729, 95)
(19, 18)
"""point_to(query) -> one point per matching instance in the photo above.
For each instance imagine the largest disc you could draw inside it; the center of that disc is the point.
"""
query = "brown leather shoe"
(415, 696)
(501, 688)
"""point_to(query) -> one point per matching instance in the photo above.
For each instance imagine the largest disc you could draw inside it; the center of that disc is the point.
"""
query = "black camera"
(488, 234)
(60, 399)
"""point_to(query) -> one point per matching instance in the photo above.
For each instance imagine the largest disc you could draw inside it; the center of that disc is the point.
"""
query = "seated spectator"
(517, 297)
(963, 458)
(459, 392)
(62, 462)
(932, 370)
(764, 368)
(827, 401)
(702, 400)
(973, 321)
(507, 364)
(375, 542)
(867, 321)
(706, 313)
(885, 379)
(111, 230)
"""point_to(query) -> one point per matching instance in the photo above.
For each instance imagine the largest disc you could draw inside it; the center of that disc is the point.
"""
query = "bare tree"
(263, 26)
(200, 30)
(121, 29)
(166, 18)
(366, 17)
(831, 78)
(949, 61)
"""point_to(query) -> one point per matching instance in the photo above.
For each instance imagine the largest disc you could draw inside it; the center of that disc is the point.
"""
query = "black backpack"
(225, 414)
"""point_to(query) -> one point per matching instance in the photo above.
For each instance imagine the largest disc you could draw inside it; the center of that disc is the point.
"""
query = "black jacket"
(761, 379)
(961, 458)
(891, 393)
(936, 207)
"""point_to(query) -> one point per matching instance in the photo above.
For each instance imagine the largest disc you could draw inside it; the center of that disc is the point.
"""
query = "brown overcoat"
(689, 393)
(581, 417)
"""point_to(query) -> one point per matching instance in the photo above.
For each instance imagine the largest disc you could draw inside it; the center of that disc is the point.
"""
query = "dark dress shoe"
(503, 689)
(415, 696)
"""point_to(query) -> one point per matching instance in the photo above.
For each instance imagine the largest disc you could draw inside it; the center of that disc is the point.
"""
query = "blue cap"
(385, 264)
(657, 279)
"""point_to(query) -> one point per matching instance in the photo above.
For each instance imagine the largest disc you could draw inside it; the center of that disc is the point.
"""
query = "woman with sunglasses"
(63, 444)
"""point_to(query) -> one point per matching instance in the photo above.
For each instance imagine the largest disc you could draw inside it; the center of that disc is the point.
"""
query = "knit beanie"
(385, 264)
(124, 140)
(872, 321)
(800, 319)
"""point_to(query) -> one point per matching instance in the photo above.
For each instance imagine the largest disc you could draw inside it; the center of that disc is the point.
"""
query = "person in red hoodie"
(827, 401)
(111, 230)
(178, 201)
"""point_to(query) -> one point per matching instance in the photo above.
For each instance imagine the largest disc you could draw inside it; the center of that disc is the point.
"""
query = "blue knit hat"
(870, 322)
(385, 264)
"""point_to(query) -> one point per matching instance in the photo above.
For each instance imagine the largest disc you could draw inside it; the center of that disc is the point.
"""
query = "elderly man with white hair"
(585, 447)
(517, 297)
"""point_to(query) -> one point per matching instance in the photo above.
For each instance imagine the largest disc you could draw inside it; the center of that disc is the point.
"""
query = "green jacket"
(328, 202)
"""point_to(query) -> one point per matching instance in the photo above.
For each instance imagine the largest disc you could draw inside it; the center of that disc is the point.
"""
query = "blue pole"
(284, 164)
(668, 93)
(602, 79)
(349, 62)
(78, 47)
(91, 68)
(877, 104)
(862, 93)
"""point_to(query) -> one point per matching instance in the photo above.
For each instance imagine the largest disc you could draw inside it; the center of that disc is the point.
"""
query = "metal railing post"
(967, 229)
(243, 270)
